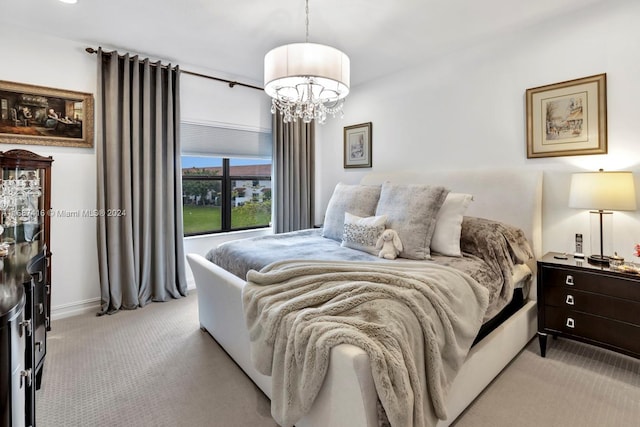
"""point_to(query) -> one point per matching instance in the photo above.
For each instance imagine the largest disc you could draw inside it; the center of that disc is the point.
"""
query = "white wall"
(51, 62)
(209, 102)
(46, 61)
(467, 110)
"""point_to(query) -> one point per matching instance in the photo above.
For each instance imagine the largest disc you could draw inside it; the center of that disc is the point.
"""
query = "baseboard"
(91, 305)
(191, 284)
(75, 308)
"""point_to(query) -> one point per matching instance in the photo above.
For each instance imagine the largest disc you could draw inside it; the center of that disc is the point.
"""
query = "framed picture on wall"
(568, 118)
(45, 116)
(357, 146)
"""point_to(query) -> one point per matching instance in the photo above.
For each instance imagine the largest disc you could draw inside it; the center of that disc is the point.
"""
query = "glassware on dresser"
(19, 199)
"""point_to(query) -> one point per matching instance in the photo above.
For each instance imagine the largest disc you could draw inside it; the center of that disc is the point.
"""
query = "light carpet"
(155, 367)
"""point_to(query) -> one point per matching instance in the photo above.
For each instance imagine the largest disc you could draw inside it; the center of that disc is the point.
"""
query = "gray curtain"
(140, 248)
(293, 160)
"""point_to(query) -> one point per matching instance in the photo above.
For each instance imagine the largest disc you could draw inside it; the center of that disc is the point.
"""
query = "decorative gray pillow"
(363, 233)
(412, 210)
(360, 200)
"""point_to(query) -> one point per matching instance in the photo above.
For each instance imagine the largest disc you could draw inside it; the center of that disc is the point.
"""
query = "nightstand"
(588, 303)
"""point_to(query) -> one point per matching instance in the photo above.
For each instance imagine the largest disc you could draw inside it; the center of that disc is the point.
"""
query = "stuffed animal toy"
(389, 244)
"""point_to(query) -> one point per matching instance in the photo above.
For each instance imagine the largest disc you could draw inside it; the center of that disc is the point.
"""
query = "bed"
(347, 394)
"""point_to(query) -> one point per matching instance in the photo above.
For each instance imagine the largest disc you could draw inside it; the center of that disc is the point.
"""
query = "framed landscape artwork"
(568, 118)
(45, 116)
(357, 146)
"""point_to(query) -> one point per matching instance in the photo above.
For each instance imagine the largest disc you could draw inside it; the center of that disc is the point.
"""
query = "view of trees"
(203, 199)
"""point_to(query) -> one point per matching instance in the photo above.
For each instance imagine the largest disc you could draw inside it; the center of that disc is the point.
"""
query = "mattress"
(240, 256)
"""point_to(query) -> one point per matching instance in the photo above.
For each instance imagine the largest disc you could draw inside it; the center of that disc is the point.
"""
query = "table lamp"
(602, 192)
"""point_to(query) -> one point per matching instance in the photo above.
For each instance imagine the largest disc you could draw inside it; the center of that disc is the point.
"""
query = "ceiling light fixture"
(69, 1)
(306, 80)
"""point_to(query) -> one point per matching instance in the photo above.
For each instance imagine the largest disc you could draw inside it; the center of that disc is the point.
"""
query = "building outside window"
(222, 194)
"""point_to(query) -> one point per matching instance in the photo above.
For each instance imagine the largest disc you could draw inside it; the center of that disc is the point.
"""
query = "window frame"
(226, 204)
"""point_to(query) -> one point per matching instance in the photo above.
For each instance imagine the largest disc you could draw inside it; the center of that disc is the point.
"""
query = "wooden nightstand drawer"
(602, 331)
(590, 281)
(588, 302)
(596, 304)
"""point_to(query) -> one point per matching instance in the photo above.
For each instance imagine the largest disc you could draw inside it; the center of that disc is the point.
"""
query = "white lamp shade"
(614, 191)
(289, 65)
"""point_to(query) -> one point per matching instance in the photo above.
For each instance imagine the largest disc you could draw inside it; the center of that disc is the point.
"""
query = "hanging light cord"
(307, 20)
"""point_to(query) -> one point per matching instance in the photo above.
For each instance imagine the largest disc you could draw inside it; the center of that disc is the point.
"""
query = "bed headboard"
(506, 195)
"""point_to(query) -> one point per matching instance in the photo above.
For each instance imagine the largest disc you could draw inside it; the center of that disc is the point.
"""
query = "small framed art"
(568, 118)
(357, 146)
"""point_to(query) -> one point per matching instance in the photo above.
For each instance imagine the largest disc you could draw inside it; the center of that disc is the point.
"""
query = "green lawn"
(200, 219)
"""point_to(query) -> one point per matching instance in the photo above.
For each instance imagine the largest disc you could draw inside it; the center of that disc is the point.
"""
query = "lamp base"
(599, 259)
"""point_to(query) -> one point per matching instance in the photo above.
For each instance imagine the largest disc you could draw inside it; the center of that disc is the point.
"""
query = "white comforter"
(416, 321)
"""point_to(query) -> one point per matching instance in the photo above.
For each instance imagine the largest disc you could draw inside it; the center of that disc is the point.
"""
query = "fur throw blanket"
(415, 320)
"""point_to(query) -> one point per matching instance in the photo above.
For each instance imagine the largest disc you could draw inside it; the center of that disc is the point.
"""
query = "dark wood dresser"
(588, 303)
(12, 362)
(23, 333)
(25, 282)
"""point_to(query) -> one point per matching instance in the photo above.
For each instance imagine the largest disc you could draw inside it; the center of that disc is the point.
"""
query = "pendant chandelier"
(306, 80)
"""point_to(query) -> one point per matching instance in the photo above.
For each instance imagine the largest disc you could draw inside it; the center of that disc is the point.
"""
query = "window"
(226, 178)
(225, 194)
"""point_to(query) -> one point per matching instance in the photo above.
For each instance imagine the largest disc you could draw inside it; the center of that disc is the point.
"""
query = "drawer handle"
(26, 326)
(569, 280)
(570, 300)
(26, 375)
(571, 323)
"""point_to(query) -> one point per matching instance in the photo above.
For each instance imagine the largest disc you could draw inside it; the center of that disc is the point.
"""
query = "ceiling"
(232, 36)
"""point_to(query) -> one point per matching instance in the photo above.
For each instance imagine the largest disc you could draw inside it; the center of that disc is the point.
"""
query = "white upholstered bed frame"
(348, 396)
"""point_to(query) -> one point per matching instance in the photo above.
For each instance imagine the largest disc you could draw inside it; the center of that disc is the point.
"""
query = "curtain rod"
(231, 83)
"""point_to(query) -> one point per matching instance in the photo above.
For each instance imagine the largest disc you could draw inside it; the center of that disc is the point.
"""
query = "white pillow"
(446, 236)
(363, 233)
